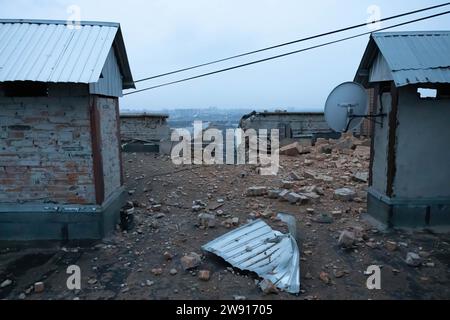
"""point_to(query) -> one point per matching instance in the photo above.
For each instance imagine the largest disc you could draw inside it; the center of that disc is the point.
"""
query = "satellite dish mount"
(347, 106)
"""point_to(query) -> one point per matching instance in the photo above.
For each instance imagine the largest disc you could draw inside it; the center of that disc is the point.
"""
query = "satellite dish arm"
(370, 117)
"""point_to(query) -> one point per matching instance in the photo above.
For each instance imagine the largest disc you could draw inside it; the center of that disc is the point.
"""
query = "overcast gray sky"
(164, 35)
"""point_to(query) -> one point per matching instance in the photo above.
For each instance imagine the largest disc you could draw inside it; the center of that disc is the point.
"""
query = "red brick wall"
(46, 150)
(367, 125)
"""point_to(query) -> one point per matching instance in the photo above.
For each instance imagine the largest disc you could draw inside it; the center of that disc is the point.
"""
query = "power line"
(286, 54)
(292, 42)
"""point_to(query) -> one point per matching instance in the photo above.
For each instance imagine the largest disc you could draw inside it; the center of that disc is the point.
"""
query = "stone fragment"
(39, 287)
(347, 239)
(191, 261)
(206, 220)
(6, 283)
(256, 192)
(362, 177)
(344, 194)
(268, 287)
(413, 259)
(273, 194)
(204, 275)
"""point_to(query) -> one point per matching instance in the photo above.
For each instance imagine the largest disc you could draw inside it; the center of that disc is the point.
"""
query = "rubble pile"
(337, 166)
(173, 211)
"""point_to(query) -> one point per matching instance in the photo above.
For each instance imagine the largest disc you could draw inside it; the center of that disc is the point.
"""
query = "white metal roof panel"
(257, 248)
(50, 51)
(415, 50)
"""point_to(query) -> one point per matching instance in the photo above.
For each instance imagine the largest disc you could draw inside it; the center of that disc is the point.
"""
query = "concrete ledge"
(415, 214)
(141, 148)
(65, 223)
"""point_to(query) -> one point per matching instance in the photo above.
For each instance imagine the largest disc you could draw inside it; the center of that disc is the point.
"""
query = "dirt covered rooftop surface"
(146, 262)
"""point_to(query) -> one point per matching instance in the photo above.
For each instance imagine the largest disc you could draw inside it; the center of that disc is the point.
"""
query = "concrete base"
(416, 214)
(65, 223)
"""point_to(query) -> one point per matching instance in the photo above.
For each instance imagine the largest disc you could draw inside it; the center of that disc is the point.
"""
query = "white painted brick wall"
(110, 144)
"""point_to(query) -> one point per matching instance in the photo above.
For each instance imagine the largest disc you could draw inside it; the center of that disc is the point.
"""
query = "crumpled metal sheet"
(256, 247)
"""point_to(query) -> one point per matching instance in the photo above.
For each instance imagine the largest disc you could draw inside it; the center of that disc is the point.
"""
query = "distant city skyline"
(162, 36)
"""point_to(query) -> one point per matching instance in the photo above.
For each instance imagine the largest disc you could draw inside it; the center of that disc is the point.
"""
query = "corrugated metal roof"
(413, 57)
(257, 248)
(49, 51)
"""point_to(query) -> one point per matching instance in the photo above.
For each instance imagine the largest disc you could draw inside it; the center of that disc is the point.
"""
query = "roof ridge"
(413, 33)
(43, 21)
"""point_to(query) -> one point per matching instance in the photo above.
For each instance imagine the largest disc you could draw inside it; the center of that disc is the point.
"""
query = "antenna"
(347, 106)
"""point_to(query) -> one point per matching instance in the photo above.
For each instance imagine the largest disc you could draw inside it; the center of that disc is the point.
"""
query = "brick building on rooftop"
(60, 163)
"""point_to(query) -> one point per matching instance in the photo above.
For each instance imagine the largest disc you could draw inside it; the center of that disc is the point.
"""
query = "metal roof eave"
(122, 57)
(362, 74)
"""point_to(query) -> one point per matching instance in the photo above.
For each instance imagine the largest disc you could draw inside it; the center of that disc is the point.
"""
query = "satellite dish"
(346, 107)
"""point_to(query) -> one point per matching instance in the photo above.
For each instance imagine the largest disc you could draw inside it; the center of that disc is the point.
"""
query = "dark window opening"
(444, 92)
(25, 89)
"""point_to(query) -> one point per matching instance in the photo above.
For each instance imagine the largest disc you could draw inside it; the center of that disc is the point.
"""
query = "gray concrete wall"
(304, 124)
(380, 136)
(46, 149)
(423, 147)
(144, 128)
(110, 144)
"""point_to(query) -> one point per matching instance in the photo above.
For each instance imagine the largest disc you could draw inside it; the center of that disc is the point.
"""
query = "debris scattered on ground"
(157, 271)
(268, 287)
(207, 220)
(339, 274)
(168, 256)
(294, 150)
(362, 177)
(325, 277)
(204, 275)
(347, 239)
(413, 259)
(256, 191)
(127, 258)
(391, 246)
(295, 176)
(324, 218)
(39, 287)
(191, 261)
(344, 194)
(6, 283)
(287, 184)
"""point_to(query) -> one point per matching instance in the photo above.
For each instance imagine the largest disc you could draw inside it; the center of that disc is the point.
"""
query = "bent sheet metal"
(256, 247)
